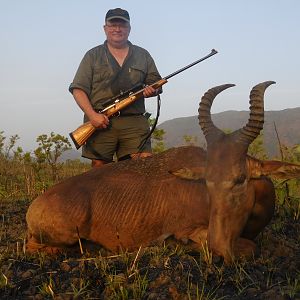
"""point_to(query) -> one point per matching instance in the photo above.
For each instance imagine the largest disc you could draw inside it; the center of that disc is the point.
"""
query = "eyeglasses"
(117, 26)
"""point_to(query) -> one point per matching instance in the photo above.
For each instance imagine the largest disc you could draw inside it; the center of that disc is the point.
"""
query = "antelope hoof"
(245, 248)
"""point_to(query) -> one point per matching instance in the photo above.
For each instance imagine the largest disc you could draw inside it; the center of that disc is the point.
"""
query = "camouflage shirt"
(101, 77)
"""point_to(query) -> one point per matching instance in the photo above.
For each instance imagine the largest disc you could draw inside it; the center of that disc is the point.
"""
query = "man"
(105, 71)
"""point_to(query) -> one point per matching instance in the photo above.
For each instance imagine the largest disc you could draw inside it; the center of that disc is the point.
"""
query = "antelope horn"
(256, 120)
(210, 131)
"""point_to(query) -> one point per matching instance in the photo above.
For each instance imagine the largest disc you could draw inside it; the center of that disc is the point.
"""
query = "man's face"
(117, 31)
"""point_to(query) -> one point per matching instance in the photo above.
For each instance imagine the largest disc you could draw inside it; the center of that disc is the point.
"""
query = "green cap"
(117, 13)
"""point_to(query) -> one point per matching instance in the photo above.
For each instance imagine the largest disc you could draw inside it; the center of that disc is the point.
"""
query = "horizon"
(158, 125)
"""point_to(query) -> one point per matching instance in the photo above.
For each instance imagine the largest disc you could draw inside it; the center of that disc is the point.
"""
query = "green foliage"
(26, 175)
(256, 148)
(227, 131)
(3, 281)
(288, 191)
(288, 198)
(50, 150)
(190, 140)
(5, 150)
(2, 138)
(157, 138)
(291, 154)
(158, 147)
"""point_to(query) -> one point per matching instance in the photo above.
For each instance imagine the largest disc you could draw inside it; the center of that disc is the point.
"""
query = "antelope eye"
(240, 180)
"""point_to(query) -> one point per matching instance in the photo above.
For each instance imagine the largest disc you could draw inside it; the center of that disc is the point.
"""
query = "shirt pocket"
(137, 74)
(102, 73)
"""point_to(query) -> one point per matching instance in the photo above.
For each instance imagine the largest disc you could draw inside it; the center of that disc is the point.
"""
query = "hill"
(287, 123)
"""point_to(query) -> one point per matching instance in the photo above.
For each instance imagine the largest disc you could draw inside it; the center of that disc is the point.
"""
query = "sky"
(43, 42)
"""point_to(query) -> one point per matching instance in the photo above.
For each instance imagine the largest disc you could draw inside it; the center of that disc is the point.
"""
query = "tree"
(257, 149)
(6, 149)
(190, 140)
(157, 138)
(2, 139)
(50, 150)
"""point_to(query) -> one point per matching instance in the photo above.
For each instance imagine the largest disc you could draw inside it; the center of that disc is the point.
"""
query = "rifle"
(80, 135)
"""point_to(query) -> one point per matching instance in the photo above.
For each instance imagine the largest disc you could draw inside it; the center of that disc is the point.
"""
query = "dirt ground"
(169, 272)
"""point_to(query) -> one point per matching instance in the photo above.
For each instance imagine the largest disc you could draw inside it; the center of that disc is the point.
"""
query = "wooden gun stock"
(80, 135)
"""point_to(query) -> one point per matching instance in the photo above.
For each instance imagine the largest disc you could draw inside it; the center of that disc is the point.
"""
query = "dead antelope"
(220, 195)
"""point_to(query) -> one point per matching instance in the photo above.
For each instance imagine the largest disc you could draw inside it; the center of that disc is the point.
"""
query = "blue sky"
(42, 43)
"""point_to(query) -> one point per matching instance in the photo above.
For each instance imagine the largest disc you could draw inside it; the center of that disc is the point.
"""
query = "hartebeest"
(220, 196)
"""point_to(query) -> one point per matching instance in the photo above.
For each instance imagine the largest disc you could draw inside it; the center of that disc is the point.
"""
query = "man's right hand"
(99, 121)
(96, 119)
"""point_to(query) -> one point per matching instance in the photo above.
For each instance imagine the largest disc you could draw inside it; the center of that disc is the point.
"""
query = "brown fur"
(220, 196)
(132, 204)
(125, 205)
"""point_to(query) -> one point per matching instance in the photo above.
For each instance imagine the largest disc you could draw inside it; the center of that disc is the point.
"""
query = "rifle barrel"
(213, 52)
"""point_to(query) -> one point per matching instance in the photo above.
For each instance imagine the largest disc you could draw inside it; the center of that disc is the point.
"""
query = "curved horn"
(205, 121)
(256, 119)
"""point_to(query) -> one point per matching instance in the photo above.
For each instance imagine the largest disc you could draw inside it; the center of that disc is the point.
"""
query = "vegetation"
(25, 174)
(190, 140)
(170, 271)
(157, 138)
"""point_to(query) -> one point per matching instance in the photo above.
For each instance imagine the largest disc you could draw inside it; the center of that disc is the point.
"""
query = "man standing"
(106, 70)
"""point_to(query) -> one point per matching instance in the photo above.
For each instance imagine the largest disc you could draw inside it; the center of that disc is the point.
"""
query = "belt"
(121, 114)
(127, 115)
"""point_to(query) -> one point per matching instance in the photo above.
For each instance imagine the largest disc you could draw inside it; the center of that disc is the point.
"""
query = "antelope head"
(227, 178)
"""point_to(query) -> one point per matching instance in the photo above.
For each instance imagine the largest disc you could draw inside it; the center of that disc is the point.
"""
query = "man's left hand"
(149, 91)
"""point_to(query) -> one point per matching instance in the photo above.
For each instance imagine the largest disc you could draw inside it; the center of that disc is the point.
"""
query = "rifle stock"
(80, 135)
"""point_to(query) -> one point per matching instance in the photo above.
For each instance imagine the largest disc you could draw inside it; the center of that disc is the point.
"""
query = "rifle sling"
(154, 124)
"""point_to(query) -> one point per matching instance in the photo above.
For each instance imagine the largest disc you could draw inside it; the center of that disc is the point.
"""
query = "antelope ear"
(273, 168)
(281, 170)
(195, 173)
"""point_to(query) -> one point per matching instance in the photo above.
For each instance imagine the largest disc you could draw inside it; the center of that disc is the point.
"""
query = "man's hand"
(149, 91)
(98, 120)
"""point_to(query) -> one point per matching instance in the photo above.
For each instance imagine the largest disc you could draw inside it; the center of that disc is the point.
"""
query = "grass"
(169, 271)
(152, 273)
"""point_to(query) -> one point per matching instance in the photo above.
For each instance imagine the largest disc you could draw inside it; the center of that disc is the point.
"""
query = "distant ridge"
(287, 122)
